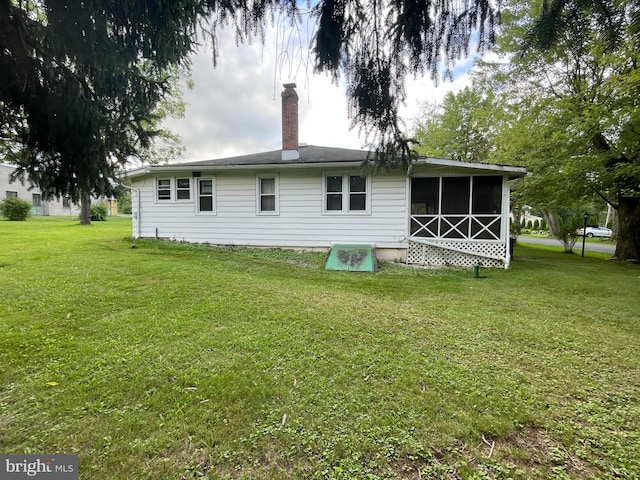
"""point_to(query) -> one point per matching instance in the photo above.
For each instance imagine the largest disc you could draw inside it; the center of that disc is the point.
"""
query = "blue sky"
(234, 109)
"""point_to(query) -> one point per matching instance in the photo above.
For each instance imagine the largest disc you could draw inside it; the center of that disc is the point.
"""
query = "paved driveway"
(588, 246)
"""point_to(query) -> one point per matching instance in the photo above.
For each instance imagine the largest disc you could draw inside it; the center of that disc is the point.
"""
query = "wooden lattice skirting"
(457, 254)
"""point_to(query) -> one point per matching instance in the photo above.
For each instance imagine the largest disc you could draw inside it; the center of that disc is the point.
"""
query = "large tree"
(598, 42)
(80, 81)
(568, 108)
(462, 127)
(79, 84)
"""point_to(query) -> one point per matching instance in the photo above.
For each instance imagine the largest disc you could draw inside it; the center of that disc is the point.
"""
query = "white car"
(603, 232)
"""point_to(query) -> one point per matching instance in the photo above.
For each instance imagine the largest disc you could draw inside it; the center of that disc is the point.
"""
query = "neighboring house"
(526, 216)
(32, 194)
(441, 212)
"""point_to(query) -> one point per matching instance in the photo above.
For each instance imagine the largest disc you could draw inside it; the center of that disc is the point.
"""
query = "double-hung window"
(346, 193)
(183, 189)
(206, 195)
(267, 194)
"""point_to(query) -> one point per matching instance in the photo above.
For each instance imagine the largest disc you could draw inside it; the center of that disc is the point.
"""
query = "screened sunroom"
(458, 219)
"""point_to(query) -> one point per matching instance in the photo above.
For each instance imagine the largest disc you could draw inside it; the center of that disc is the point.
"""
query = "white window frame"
(157, 190)
(189, 190)
(259, 194)
(346, 193)
(212, 179)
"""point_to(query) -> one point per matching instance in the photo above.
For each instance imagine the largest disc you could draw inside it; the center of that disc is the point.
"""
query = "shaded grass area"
(184, 361)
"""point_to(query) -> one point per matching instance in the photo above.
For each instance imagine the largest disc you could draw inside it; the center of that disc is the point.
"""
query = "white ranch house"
(441, 212)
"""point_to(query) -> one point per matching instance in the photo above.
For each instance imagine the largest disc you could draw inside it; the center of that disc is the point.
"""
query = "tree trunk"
(551, 217)
(85, 209)
(628, 246)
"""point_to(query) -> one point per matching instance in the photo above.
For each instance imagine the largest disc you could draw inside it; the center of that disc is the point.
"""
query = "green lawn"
(175, 361)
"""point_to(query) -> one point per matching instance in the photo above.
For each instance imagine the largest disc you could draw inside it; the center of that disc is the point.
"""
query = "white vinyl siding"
(300, 219)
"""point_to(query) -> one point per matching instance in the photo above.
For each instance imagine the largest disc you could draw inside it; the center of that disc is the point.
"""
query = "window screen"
(455, 195)
(487, 195)
(424, 196)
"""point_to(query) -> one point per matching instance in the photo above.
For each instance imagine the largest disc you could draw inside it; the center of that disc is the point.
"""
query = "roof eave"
(266, 166)
(511, 170)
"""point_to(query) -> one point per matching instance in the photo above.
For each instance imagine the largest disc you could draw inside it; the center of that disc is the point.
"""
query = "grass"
(180, 361)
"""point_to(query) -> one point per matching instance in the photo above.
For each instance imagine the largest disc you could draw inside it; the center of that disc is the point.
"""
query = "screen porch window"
(345, 193)
(183, 189)
(205, 195)
(267, 195)
(164, 189)
(457, 207)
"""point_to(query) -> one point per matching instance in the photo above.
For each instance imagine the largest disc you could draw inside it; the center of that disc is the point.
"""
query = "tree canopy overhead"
(80, 81)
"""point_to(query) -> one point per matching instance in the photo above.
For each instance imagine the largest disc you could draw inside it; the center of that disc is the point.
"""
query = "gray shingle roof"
(313, 155)
(308, 154)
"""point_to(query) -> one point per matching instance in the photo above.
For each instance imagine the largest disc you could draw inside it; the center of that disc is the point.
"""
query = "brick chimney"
(290, 122)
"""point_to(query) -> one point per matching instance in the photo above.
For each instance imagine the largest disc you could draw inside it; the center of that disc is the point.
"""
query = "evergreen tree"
(80, 81)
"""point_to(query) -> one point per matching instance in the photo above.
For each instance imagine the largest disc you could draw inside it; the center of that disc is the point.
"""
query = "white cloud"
(234, 109)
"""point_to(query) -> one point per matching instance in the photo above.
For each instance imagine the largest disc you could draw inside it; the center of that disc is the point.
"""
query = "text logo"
(43, 467)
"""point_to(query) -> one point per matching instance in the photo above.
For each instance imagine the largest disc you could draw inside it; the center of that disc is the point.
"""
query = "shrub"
(536, 225)
(99, 212)
(515, 228)
(15, 208)
(543, 225)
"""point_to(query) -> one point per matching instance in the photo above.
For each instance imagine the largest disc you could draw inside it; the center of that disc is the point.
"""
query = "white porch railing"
(457, 240)
(473, 227)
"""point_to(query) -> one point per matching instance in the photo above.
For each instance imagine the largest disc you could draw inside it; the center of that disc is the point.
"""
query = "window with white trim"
(357, 193)
(163, 189)
(267, 195)
(206, 195)
(346, 193)
(183, 188)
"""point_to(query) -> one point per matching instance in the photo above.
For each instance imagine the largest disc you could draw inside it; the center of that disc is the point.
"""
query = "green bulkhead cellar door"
(354, 258)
